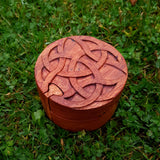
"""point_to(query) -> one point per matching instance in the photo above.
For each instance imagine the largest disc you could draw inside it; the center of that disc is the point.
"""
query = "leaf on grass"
(8, 151)
(62, 143)
(10, 143)
(133, 2)
(37, 115)
(149, 133)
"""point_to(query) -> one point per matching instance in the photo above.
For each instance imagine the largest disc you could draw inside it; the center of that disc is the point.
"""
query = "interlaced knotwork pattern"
(79, 71)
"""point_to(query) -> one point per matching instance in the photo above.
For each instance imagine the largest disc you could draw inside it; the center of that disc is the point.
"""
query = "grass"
(27, 27)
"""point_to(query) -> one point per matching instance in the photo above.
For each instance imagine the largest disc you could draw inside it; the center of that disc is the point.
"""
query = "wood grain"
(80, 79)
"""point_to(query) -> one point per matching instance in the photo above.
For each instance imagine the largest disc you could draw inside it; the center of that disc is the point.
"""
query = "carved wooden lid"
(80, 72)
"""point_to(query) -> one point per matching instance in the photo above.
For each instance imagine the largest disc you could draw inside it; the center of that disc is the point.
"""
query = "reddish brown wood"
(80, 80)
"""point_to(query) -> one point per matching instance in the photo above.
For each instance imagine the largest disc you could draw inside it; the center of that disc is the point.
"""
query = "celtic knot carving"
(80, 71)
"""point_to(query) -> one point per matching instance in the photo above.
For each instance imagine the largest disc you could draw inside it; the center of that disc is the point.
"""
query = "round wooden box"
(80, 80)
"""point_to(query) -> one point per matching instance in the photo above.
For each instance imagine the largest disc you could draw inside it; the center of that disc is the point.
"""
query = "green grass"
(27, 27)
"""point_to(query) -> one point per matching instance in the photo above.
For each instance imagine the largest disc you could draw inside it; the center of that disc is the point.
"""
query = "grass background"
(27, 27)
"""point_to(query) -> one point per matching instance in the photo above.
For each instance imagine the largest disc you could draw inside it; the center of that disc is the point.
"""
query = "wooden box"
(80, 80)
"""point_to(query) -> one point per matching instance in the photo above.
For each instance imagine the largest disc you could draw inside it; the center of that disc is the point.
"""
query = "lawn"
(27, 27)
